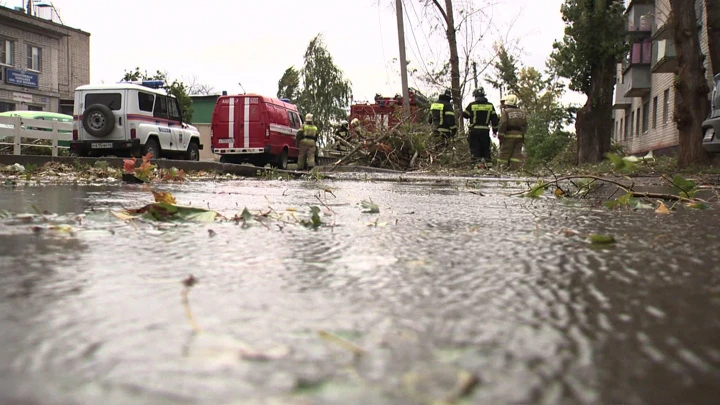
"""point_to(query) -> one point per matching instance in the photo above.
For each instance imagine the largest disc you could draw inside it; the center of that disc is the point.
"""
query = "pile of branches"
(406, 146)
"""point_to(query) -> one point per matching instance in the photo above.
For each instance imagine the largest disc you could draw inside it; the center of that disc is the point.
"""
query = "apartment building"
(644, 94)
(41, 62)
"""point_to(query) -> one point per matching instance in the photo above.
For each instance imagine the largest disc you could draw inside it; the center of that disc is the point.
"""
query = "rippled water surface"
(449, 292)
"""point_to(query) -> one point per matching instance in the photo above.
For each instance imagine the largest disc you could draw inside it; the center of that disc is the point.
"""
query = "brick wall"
(65, 59)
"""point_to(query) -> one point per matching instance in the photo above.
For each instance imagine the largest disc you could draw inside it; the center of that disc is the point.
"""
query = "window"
(616, 135)
(637, 122)
(294, 120)
(666, 102)
(622, 127)
(6, 52)
(6, 107)
(34, 108)
(174, 109)
(654, 115)
(34, 58)
(632, 123)
(111, 100)
(161, 107)
(646, 116)
(146, 101)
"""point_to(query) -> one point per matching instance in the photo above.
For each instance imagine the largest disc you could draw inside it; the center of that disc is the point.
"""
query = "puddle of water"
(443, 281)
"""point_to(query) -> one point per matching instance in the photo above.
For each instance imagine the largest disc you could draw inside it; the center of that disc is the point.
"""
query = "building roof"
(27, 22)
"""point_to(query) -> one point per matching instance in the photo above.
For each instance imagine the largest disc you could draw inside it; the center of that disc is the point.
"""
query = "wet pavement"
(455, 291)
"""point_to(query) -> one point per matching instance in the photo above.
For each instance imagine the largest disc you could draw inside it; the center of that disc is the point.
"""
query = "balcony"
(637, 80)
(663, 56)
(620, 102)
(639, 17)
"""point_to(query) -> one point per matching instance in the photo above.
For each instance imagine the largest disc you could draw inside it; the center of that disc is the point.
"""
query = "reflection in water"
(442, 281)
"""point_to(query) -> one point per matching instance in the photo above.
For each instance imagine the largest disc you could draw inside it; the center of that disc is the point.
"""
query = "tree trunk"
(594, 122)
(454, 60)
(691, 87)
(450, 33)
(713, 32)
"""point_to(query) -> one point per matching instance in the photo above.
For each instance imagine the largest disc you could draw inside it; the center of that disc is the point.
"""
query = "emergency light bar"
(153, 84)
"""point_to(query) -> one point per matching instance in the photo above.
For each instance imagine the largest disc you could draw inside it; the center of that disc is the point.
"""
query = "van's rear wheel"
(281, 161)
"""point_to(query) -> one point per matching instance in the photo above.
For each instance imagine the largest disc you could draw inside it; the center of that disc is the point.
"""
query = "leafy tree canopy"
(176, 88)
(594, 31)
(318, 88)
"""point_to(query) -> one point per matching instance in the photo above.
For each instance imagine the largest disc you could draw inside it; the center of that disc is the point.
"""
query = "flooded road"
(453, 292)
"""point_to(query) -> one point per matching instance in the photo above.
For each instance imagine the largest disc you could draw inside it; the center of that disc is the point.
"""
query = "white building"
(644, 93)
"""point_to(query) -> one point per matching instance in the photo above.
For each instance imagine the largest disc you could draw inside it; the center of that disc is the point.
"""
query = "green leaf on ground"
(162, 211)
(537, 191)
(370, 206)
(686, 188)
(597, 239)
(314, 220)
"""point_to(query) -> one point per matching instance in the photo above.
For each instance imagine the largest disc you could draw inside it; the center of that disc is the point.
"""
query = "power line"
(382, 46)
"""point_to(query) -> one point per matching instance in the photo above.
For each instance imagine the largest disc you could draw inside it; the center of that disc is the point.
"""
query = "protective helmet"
(355, 122)
(447, 93)
(343, 123)
(510, 99)
(308, 117)
(479, 92)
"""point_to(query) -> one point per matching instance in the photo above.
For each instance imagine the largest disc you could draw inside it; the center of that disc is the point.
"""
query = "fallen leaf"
(662, 209)
(602, 239)
(343, 343)
(163, 197)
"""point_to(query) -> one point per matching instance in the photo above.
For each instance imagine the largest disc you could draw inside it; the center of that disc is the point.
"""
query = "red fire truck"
(386, 112)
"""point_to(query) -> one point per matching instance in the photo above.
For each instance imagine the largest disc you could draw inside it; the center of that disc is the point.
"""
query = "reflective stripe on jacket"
(309, 131)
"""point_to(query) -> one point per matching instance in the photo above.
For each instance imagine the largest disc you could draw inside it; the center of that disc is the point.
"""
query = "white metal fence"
(15, 130)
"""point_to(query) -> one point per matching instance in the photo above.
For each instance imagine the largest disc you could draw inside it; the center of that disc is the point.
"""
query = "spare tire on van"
(98, 120)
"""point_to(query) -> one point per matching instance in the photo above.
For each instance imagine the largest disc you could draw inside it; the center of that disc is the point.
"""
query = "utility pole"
(403, 62)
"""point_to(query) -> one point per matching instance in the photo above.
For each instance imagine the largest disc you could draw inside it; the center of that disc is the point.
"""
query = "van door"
(175, 124)
(162, 121)
(116, 102)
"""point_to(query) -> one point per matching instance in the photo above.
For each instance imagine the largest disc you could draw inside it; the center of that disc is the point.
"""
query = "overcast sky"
(223, 42)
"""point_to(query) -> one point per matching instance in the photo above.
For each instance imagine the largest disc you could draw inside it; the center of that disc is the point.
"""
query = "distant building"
(203, 107)
(41, 62)
(644, 92)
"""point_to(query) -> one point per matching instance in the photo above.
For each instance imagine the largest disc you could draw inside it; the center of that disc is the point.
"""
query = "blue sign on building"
(20, 78)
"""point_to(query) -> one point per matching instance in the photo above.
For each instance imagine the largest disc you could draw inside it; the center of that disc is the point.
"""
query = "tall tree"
(712, 7)
(451, 35)
(588, 55)
(464, 25)
(691, 87)
(325, 93)
(289, 84)
(505, 75)
(176, 88)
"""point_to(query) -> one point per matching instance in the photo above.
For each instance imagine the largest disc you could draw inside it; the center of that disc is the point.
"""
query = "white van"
(130, 118)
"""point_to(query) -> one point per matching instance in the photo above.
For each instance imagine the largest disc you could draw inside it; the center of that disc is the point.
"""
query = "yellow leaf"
(291, 209)
(662, 209)
(559, 192)
(123, 215)
(163, 197)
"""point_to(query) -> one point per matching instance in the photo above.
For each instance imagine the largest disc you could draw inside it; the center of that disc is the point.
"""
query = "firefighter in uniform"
(343, 132)
(481, 115)
(442, 118)
(306, 137)
(511, 131)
